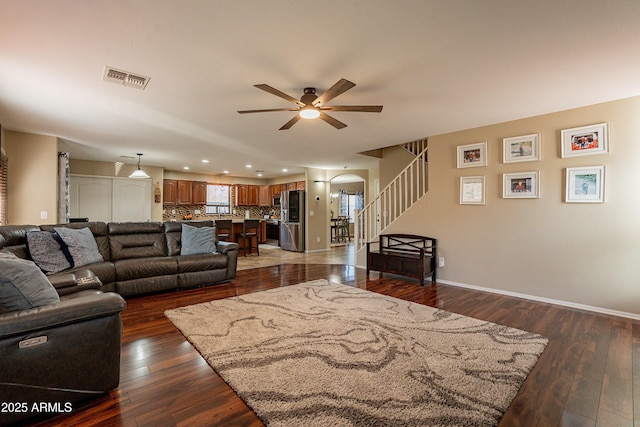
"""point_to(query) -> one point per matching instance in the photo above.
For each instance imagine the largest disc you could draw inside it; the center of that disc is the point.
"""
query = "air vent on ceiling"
(124, 78)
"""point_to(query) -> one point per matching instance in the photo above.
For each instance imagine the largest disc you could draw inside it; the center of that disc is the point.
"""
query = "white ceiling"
(435, 65)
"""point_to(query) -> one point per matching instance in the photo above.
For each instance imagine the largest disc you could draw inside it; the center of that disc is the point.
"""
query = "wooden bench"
(403, 254)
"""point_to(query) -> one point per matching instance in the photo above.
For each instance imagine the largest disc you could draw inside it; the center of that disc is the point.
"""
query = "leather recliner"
(56, 355)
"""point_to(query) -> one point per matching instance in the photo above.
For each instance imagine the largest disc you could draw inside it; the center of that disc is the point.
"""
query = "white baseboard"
(601, 310)
(545, 300)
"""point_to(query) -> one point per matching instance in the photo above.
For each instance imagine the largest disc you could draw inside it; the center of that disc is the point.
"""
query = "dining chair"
(250, 229)
(223, 229)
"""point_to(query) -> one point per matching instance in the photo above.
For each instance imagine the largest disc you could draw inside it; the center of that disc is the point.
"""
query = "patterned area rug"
(325, 354)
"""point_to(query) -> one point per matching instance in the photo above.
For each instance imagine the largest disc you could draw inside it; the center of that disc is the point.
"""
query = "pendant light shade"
(139, 173)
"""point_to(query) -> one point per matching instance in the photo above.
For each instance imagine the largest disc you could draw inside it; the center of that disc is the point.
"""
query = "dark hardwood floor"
(589, 375)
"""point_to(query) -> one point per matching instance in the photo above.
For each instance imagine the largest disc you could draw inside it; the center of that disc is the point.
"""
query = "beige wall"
(585, 254)
(32, 177)
(317, 215)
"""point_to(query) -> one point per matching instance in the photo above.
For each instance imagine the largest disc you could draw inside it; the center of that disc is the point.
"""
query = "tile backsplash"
(181, 211)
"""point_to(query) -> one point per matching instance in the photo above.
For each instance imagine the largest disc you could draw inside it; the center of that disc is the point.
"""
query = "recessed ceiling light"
(186, 168)
(225, 171)
(205, 161)
(285, 170)
(259, 174)
(249, 166)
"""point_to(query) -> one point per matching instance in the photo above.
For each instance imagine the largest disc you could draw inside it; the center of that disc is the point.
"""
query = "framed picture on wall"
(585, 185)
(472, 190)
(523, 185)
(472, 155)
(521, 148)
(585, 140)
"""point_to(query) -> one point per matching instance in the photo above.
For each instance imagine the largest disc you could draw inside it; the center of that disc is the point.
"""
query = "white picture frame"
(472, 190)
(523, 148)
(521, 185)
(472, 155)
(585, 140)
(585, 184)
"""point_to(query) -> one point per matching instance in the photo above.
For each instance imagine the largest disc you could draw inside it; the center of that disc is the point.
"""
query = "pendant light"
(139, 173)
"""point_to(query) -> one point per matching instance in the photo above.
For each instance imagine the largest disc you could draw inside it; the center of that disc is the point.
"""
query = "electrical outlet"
(44, 214)
(317, 239)
(197, 212)
(441, 261)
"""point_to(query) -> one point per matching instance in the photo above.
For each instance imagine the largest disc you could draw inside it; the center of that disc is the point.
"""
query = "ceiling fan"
(312, 106)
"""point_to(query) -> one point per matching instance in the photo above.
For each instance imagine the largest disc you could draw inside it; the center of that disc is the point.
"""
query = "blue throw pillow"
(198, 240)
(80, 244)
(46, 251)
(23, 285)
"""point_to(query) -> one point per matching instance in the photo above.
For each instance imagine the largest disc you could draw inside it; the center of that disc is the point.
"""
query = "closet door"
(110, 199)
(90, 197)
(131, 200)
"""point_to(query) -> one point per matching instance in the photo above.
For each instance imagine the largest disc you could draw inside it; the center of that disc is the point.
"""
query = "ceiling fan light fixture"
(139, 173)
(309, 112)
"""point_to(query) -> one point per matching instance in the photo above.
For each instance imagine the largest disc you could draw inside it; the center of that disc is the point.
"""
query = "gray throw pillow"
(46, 252)
(198, 240)
(80, 244)
(23, 285)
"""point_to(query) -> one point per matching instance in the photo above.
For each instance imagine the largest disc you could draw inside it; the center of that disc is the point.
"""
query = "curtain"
(63, 187)
(3, 189)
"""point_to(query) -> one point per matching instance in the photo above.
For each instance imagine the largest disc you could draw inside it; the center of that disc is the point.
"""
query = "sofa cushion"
(23, 285)
(99, 230)
(46, 251)
(80, 244)
(198, 240)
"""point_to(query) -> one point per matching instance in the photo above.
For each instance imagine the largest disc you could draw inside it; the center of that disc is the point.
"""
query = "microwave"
(276, 200)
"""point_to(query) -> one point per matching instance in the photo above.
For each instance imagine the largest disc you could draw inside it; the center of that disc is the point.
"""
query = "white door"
(131, 200)
(90, 197)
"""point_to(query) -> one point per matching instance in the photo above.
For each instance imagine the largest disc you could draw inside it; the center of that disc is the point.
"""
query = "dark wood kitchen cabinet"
(178, 192)
(247, 195)
(199, 193)
(170, 192)
(184, 192)
(263, 196)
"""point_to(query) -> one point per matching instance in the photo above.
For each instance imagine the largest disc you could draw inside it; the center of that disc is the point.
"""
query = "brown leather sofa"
(58, 354)
(139, 257)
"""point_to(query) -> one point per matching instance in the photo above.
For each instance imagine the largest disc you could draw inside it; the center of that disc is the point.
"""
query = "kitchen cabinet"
(274, 191)
(170, 192)
(185, 196)
(263, 196)
(291, 186)
(247, 195)
(199, 193)
(300, 185)
(178, 192)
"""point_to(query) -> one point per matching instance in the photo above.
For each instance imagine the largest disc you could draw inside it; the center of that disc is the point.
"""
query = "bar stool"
(223, 229)
(250, 229)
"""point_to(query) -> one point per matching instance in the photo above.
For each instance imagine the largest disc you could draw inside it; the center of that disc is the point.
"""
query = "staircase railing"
(404, 191)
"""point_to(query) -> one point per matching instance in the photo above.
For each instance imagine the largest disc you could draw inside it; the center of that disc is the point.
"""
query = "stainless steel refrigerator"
(292, 220)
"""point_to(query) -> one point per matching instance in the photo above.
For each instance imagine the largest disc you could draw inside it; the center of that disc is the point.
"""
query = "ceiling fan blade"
(266, 111)
(291, 122)
(359, 108)
(333, 122)
(276, 92)
(340, 87)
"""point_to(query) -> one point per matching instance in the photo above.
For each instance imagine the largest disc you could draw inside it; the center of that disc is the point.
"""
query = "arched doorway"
(346, 195)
